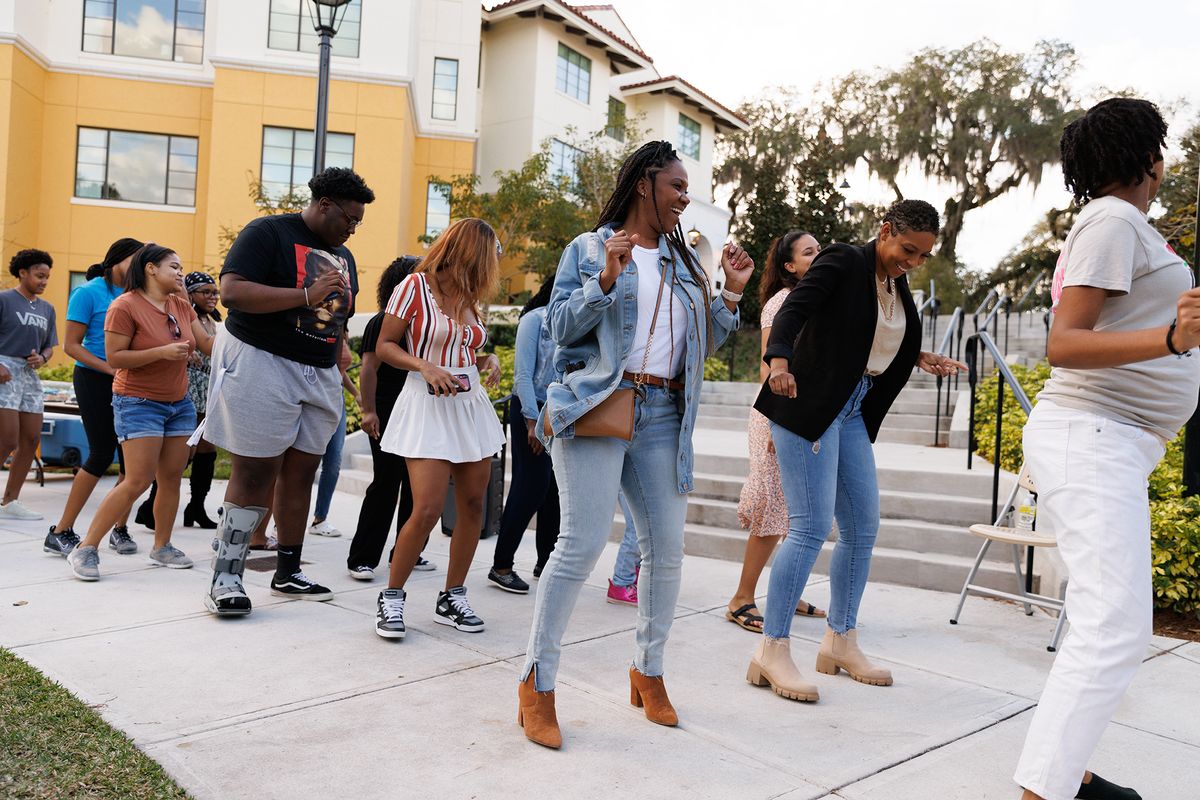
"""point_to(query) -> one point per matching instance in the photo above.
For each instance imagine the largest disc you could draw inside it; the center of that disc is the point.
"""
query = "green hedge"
(1174, 519)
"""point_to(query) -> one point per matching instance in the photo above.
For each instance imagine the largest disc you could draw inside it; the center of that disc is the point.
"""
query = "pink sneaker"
(622, 595)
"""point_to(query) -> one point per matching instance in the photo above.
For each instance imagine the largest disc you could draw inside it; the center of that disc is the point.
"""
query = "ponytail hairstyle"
(118, 251)
(466, 259)
(646, 162)
(150, 253)
(776, 276)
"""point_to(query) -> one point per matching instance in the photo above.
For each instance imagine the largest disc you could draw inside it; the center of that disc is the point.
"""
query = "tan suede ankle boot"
(652, 694)
(772, 664)
(841, 652)
(535, 713)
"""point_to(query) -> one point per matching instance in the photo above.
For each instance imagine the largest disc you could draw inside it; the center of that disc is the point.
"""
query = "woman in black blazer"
(848, 336)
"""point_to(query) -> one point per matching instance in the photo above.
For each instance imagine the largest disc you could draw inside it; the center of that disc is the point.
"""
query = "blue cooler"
(64, 443)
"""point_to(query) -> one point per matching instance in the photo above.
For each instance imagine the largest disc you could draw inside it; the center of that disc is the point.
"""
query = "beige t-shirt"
(889, 335)
(1112, 246)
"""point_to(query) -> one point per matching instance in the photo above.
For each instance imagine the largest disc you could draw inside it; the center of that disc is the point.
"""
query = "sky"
(732, 49)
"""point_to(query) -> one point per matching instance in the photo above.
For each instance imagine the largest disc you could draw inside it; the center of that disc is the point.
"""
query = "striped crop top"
(431, 334)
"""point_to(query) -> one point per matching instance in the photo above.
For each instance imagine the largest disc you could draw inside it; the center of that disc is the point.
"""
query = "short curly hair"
(912, 215)
(26, 259)
(1117, 141)
(340, 183)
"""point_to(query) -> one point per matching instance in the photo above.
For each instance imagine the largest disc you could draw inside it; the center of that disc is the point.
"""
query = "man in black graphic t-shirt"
(275, 393)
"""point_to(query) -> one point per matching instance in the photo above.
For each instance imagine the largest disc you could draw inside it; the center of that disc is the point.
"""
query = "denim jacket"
(594, 333)
(533, 362)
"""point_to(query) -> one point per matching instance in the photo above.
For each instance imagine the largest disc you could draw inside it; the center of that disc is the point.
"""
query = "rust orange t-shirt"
(134, 316)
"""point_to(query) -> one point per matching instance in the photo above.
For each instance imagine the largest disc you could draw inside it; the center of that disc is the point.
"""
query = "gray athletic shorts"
(261, 404)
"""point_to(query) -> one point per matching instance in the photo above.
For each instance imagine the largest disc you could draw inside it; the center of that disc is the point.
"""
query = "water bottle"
(1026, 511)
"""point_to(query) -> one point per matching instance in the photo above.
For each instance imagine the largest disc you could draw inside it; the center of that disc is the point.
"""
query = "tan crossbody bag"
(614, 416)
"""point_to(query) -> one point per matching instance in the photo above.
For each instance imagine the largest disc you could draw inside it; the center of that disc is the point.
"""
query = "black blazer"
(825, 330)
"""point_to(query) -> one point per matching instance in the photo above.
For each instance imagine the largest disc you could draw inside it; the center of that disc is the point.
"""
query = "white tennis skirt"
(459, 429)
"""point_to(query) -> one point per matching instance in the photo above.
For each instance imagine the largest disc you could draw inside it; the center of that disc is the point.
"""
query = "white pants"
(1090, 473)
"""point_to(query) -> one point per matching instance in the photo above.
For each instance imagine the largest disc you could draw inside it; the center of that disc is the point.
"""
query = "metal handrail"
(991, 293)
(1005, 377)
(945, 349)
(1001, 301)
(1029, 291)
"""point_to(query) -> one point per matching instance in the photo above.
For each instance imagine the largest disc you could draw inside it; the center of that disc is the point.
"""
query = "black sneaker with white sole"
(301, 587)
(389, 614)
(509, 582)
(453, 609)
(60, 544)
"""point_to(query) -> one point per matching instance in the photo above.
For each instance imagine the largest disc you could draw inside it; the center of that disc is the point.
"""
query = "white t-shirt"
(1112, 246)
(670, 334)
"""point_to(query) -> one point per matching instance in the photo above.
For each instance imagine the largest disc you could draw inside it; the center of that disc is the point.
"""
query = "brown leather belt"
(653, 380)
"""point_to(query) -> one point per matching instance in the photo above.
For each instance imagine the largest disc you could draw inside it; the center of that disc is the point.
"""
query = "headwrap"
(194, 280)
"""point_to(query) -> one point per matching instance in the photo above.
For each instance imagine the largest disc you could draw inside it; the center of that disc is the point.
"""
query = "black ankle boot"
(194, 514)
(145, 512)
(1100, 789)
(200, 481)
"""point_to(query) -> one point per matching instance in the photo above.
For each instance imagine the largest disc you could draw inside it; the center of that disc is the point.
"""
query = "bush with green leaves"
(1174, 518)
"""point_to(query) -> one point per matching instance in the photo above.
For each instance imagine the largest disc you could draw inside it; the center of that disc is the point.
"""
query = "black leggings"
(93, 392)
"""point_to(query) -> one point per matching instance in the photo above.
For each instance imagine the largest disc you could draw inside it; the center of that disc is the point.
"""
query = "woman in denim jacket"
(608, 287)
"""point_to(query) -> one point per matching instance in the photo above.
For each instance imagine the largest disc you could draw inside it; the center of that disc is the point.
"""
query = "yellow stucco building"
(152, 118)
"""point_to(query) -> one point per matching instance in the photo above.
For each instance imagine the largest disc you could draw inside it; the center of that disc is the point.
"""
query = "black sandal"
(744, 619)
(809, 610)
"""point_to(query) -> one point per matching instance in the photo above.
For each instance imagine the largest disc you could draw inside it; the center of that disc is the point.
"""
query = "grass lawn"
(52, 746)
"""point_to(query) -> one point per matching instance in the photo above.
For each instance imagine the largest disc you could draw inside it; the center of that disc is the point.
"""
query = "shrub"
(1174, 518)
(61, 372)
(505, 354)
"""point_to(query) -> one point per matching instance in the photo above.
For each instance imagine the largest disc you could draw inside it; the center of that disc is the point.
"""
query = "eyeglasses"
(206, 292)
(173, 325)
(355, 224)
(499, 249)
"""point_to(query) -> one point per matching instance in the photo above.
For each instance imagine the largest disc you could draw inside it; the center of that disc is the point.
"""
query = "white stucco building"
(547, 67)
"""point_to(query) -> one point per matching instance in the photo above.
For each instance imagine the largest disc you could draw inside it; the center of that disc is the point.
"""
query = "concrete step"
(923, 421)
(893, 436)
(893, 504)
(721, 423)
(722, 485)
(936, 571)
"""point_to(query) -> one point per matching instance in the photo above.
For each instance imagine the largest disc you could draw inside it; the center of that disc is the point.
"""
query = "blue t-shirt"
(88, 306)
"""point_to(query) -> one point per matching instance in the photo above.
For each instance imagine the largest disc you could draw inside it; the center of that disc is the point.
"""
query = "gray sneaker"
(169, 556)
(121, 541)
(85, 563)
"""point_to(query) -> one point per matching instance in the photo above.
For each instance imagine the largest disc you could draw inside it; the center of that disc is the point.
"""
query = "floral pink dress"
(762, 508)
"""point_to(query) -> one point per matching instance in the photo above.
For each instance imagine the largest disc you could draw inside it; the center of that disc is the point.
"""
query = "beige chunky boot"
(841, 652)
(772, 664)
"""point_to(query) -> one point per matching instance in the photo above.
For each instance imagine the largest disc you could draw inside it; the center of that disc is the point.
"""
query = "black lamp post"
(326, 16)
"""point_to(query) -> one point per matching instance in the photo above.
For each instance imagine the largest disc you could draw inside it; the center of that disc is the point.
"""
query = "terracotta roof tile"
(559, 4)
(676, 78)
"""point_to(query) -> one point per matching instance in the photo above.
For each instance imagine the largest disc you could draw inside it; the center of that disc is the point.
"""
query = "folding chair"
(1016, 538)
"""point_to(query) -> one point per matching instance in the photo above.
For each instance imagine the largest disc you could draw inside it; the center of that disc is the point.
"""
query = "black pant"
(389, 483)
(533, 490)
(93, 393)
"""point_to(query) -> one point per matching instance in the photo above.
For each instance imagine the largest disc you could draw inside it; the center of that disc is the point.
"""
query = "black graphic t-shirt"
(388, 380)
(281, 251)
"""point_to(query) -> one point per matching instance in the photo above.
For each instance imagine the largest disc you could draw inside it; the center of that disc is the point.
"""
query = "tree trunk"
(952, 223)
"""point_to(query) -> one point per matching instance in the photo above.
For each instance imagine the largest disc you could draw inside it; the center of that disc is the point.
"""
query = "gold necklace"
(889, 308)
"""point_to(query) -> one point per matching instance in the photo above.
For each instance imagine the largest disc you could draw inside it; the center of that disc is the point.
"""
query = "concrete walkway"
(302, 698)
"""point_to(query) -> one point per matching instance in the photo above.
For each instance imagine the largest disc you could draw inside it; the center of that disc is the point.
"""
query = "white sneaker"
(322, 528)
(15, 510)
(362, 573)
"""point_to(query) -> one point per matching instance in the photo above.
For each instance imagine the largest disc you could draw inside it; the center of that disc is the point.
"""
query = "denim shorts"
(139, 418)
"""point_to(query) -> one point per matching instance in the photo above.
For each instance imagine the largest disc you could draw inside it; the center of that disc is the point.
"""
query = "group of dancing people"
(609, 367)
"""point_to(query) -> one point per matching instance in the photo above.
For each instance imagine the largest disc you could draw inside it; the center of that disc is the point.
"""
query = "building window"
(574, 73)
(136, 167)
(287, 158)
(77, 279)
(445, 88)
(563, 162)
(437, 208)
(171, 30)
(291, 28)
(615, 128)
(689, 137)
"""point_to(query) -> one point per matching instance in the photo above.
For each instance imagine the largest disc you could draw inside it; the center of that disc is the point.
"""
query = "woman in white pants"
(1123, 384)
